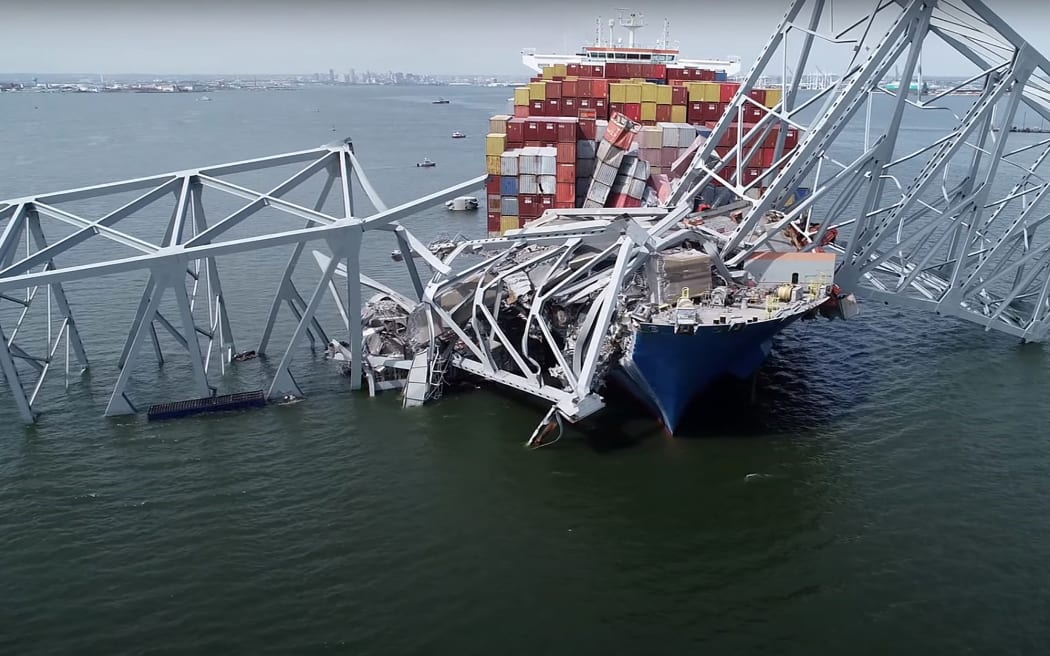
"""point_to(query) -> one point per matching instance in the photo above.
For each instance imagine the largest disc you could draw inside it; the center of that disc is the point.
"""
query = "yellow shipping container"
(617, 92)
(521, 97)
(663, 94)
(495, 144)
(560, 70)
(773, 97)
(648, 111)
(649, 92)
(509, 223)
(492, 165)
(678, 114)
(538, 90)
(696, 91)
(634, 93)
(498, 124)
(547, 73)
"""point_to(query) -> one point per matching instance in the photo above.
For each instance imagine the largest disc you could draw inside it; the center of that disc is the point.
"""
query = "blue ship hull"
(668, 370)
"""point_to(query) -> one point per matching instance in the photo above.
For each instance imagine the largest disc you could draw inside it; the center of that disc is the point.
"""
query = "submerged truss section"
(170, 233)
(940, 204)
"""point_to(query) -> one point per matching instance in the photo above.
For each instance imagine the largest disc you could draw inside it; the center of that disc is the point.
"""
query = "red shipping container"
(521, 111)
(753, 114)
(713, 111)
(567, 131)
(570, 89)
(658, 71)
(583, 88)
(566, 192)
(528, 206)
(615, 108)
(695, 113)
(600, 89)
(706, 75)
(534, 143)
(751, 174)
(549, 132)
(553, 107)
(587, 129)
(537, 108)
(492, 185)
(493, 223)
(564, 204)
(553, 90)
(729, 90)
(493, 200)
(614, 70)
(758, 95)
(597, 70)
(791, 138)
(586, 103)
(532, 131)
(679, 95)
(573, 69)
(547, 202)
(765, 157)
(663, 113)
(567, 172)
(570, 106)
(567, 151)
(601, 105)
(515, 130)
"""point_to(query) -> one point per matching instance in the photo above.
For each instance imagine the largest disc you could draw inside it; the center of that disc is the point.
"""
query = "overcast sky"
(304, 36)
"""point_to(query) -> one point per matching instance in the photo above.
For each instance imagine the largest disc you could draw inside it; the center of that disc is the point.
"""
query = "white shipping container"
(508, 206)
(528, 161)
(548, 160)
(599, 129)
(636, 189)
(610, 154)
(598, 193)
(641, 171)
(548, 184)
(670, 133)
(528, 184)
(605, 173)
(508, 164)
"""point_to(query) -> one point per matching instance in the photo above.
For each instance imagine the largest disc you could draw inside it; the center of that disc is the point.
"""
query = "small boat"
(440, 101)
(204, 99)
(458, 135)
(426, 163)
(462, 203)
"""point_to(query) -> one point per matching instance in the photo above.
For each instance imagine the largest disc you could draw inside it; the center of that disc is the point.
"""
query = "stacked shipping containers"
(554, 152)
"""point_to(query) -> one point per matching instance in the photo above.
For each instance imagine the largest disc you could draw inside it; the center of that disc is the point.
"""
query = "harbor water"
(888, 491)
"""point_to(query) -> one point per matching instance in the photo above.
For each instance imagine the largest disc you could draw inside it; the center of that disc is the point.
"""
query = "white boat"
(462, 204)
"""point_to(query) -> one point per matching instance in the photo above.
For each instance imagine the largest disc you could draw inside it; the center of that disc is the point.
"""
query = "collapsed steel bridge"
(952, 226)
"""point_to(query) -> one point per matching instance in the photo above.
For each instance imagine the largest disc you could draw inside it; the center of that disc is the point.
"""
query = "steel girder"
(183, 264)
(949, 222)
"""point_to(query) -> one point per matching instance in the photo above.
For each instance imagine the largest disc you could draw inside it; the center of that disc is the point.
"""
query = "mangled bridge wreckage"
(661, 299)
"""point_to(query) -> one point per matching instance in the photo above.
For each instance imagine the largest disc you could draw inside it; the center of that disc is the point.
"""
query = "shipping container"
(649, 93)
(509, 163)
(728, 91)
(633, 111)
(600, 89)
(567, 153)
(521, 112)
(663, 112)
(570, 89)
(773, 97)
(521, 96)
(553, 90)
(498, 124)
(509, 223)
(648, 111)
(528, 184)
(492, 165)
(493, 184)
(495, 144)
(508, 187)
(566, 172)
(508, 205)
(515, 131)
(493, 223)
(548, 184)
(758, 95)
(537, 108)
(679, 114)
(633, 94)
(537, 91)
(566, 130)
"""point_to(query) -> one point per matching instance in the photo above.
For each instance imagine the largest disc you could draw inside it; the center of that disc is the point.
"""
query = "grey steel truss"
(183, 265)
(951, 224)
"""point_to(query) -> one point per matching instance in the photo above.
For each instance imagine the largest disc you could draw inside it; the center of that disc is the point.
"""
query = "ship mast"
(665, 37)
(631, 23)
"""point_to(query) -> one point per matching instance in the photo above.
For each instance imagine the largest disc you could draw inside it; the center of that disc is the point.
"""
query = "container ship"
(618, 126)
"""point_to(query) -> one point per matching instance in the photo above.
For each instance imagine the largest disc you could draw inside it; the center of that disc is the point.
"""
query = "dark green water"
(899, 498)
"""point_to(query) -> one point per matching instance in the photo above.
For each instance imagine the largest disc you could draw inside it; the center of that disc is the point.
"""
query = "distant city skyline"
(280, 38)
